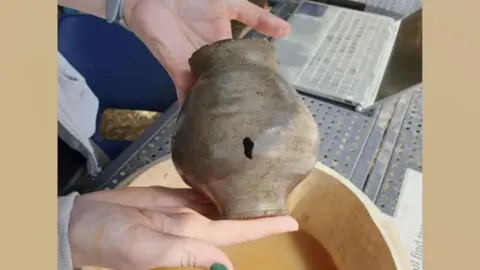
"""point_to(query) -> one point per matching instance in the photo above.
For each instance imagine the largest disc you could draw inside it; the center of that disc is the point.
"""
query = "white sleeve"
(76, 101)
(77, 108)
(65, 205)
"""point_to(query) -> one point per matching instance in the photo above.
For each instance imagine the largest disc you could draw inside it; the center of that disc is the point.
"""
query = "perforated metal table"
(372, 150)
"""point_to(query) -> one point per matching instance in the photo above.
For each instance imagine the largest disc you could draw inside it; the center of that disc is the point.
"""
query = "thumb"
(166, 250)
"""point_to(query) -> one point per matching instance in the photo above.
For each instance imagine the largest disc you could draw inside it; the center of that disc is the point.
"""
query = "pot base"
(246, 199)
(257, 213)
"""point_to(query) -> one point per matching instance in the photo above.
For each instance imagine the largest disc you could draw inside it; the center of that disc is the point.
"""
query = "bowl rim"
(384, 223)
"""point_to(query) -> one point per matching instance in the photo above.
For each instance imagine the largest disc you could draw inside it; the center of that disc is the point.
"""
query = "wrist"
(92, 7)
(75, 235)
(119, 11)
(128, 7)
(65, 209)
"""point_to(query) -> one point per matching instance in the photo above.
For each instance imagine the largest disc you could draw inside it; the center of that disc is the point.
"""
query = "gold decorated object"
(117, 124)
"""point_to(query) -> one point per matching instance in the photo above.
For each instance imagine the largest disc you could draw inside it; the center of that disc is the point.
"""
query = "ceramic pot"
(349, 230)
(244, 137)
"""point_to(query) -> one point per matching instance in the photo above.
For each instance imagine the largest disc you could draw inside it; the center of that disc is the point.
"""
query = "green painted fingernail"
(217, 266)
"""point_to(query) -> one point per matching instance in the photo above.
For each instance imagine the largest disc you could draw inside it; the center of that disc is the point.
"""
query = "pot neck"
(232, 52)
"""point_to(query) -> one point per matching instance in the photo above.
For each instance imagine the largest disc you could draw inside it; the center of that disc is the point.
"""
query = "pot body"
(244, 137)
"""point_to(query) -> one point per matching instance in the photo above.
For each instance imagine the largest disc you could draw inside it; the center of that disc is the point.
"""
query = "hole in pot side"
(248, 147)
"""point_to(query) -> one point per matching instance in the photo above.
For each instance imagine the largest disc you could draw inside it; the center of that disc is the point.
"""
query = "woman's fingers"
(257, 18)
(227, 232)
(149, 197)
(154, 250)
(207, 210)
(184, 80)
(223, 232)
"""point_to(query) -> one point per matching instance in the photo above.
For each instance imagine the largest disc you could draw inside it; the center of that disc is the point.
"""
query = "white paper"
(408, 217)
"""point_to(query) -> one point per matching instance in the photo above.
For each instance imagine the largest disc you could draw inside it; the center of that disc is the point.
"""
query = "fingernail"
(217, 266)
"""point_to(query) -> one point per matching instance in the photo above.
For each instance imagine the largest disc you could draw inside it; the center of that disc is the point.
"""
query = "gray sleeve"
(65, 205)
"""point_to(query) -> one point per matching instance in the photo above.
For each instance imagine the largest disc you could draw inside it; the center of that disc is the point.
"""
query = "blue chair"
(117, 66)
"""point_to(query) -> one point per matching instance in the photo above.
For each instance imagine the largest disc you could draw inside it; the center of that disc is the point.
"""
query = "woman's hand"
(145, 228)
(174, 29)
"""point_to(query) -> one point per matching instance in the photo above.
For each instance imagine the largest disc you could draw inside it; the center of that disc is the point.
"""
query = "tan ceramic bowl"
(349, 230)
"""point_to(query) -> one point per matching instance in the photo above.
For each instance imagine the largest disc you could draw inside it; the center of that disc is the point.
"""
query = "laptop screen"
(336, 53)
(404, 68)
